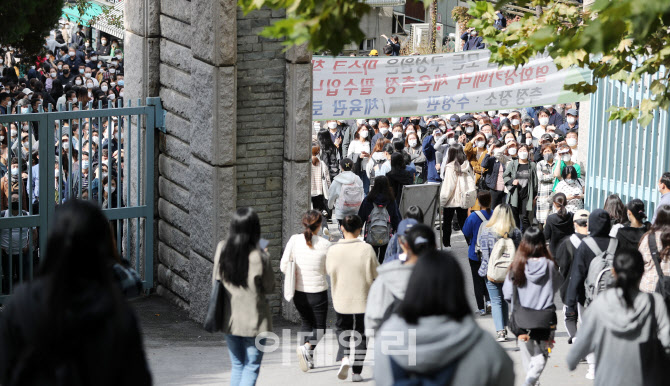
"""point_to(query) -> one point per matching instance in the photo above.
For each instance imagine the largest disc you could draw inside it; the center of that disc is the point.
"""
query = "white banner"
(399, 86)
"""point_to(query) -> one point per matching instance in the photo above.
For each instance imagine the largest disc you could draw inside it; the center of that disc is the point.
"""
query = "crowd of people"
(69, 75)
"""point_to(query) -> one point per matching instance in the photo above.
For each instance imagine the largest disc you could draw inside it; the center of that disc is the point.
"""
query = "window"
(398, 23)
(368, 44)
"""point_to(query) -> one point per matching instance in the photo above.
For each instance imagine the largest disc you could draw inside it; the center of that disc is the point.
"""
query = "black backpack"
(663, 285)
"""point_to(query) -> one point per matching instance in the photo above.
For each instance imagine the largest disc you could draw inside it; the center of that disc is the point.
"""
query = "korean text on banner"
(366, 87)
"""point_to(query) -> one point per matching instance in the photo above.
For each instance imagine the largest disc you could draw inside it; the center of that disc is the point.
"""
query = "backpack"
(441, 377)
(469, 191)
(663, 284)
(350, 198)
(478, 245)
(377, 163)
(599, 276)
(378, 227)
(388, 50)
(500, 259)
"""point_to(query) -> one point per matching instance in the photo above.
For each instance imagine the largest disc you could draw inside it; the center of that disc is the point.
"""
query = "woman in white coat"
(457, 179)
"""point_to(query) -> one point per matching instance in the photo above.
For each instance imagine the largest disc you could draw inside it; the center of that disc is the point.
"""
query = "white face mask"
(105, 88)
(60, 66)
(397, 135)
(71, 54)
(571, 142)
(332, 125)
(470, 129)
(94, 58)
(395, 120)
(511, 151)
(53, 74)
(481, 144)
(492, 114)
(87, 75)
(77, 82)
(544, 121)
(516, 122)
(112, 70)
(571, 120)
(121, 94)
(84, 164)
(488, 136)
(15, 171)
(497, 152)
(384, 130)
(89, 85)
(111, 97)
(523, 155)
(451, 141)
(508, 140)
(410, 131)
(529, 141)
(363, 133)
(566, 157)
(113, 84)
(104, 42)
(412, 142)
(372, 122)
(24, 110)
(13, 133)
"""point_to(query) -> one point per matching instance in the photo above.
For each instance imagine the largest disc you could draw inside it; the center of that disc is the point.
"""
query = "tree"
(622, 39)
(28, 23)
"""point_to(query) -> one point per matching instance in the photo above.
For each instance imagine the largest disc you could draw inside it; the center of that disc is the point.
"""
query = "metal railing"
(626, 159)
(103, 154)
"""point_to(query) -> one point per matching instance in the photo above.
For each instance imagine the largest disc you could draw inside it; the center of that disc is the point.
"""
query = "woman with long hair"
(359, 152)
(494, 166)
(399, 177)
(534, 277)
(308, 251)
(520, 177)
(659, 238)
(320, 179)
(628, 330)
(454, 175)
(632, 233)
(329, 153)
(559, 224)
(439, 338)
(245, 271)
(617, 211)
(71, 324)
(415, 150)
(500, 225)
(381, 195)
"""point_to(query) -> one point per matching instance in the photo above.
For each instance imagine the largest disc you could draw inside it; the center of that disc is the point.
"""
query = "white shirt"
(310, 263)
(357, 147)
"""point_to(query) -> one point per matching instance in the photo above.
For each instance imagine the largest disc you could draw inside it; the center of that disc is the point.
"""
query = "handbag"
(214, 317)
(523, 320)
(289, 279)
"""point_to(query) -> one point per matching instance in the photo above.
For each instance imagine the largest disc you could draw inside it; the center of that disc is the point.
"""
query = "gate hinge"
(159, 113)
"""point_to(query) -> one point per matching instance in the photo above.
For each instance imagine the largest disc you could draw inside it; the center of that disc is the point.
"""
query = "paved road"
(181, 353)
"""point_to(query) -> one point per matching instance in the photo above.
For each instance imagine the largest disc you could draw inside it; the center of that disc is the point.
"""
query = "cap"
(374, 53)
(573, 112)
(581, 214)
(503, 112)
(466, 117)
(27, 91)
(406, 225)
(547, 137)
(455, 119)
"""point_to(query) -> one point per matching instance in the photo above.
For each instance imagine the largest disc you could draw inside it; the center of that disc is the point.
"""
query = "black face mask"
(415, 121)
(65, 72)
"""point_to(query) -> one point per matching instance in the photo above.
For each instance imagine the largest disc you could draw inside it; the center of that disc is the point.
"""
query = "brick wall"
(261, 78)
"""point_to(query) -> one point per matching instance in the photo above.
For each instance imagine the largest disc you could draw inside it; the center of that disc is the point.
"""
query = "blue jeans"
(498, 305)
(245, 359)
(366, 181)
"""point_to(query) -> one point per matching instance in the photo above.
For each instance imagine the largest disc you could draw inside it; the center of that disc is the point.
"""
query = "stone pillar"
(212, 142)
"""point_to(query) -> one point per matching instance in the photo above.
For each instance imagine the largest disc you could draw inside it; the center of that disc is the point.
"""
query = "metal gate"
(104, 154)
(626, 159)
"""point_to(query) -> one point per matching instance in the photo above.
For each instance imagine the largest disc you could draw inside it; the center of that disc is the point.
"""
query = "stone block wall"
(238, 123)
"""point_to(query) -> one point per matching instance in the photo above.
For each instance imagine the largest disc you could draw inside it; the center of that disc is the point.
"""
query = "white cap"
(503, 112)
(27, 91)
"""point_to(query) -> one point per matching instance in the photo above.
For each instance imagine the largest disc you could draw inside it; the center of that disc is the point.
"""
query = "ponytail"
(560, 200)
(628, 266)
(311, 221)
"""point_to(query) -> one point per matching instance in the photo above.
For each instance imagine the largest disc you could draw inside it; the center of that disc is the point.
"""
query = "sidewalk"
(180, 352)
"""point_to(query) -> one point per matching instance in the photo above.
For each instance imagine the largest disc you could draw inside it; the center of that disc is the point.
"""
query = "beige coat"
(246, 311)
(454, 187)
(352, 267)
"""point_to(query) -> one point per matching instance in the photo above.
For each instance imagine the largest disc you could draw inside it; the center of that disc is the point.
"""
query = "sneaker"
(500, 336)
(343, 373)
(356, 378)
(505, 333)
(488, 306)
(482, 312)
(326, 232)
(303, 358)
(591, 373)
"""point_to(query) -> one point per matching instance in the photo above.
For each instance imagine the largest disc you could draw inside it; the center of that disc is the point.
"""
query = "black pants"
(497, 198)
(313, 310)
(481, 293)
(320, 203)
(461, 214)
(381, 252)
(521, 214)
(346, 326)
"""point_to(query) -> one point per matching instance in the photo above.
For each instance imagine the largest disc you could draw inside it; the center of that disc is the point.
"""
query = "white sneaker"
(356, 378)
(326, 232)
(591, 374)
(344, 369)
(303, 358)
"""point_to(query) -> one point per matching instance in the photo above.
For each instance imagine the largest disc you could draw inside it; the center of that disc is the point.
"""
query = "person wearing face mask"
(565, 159)
(511, 150)
(417, 121)
(359, 153)
(66, 77)
(433, 148)
(383, 133)
(472, 40)
(17, 185)
(103, 48)
(545, 178)
(397, 132)
(453, 122)
(493, 165)
(475, 150)
(573, 188)
(515, 124)
(520, 177)
(555, 119)
(81, 177)
(415, 150)
(571, 138)
(73, 59)
(542, 121)
(571, 122)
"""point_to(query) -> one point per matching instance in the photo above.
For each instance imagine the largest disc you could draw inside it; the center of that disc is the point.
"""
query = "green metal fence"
(103, 154)
(626, 159)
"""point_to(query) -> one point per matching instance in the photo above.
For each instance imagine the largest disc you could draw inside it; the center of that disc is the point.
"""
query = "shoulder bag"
(214, 317)
(289, 278)
(524, 320)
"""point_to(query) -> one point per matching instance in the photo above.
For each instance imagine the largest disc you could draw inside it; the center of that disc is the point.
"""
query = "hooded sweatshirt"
(556, 229)
(437, 342)
(599, 229)
(343, 178)
(390, 285)
(542, 280)
(631, 236)
(615, 333)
